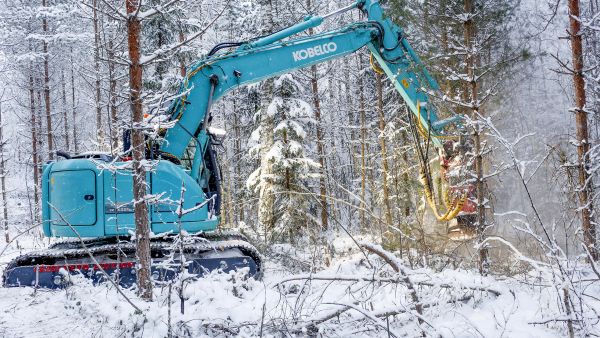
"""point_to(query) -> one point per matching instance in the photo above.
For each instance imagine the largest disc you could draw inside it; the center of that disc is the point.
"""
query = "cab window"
(187, 160)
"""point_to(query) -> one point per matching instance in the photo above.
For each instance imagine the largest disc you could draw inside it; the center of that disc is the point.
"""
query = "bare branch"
(168, 49)
(84, 246)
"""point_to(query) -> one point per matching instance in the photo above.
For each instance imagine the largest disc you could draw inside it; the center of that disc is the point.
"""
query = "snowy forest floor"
(358, 295)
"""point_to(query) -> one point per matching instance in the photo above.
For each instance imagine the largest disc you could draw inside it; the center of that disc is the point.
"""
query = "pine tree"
(584, 189)
(138, 143)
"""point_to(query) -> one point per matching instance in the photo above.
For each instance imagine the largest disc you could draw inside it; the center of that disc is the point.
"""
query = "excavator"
(88, 198)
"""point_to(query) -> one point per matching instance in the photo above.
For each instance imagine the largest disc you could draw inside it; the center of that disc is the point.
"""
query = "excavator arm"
(217, 74)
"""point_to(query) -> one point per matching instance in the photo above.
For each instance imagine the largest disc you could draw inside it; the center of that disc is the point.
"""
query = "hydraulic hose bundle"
(454, 200)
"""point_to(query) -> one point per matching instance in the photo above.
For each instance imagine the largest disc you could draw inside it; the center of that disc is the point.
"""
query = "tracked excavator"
(87, 199)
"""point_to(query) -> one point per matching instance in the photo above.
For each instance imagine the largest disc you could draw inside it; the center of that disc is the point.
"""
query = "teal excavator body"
(98, 202)
(91, 195)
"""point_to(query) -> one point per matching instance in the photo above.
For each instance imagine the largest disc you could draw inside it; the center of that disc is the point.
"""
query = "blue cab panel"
(98, 202)
(75, 206)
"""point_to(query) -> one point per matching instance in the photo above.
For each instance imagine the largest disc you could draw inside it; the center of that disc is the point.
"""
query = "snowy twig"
(397, 266)
(149, 58)
(155, 10)
(358, 279)
(15, 237)
(369, 315)
(313, 323)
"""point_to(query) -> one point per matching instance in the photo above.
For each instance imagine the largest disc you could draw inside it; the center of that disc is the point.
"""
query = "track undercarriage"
(115, 258)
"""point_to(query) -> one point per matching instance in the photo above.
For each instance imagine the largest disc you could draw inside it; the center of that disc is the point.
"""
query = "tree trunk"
(350, 136)
(350, 93)
(73, 106)
(266, 208)
(47, 87)
(363, 136)
(320, 146)
(34, 142)
(99, 130)
(3, 179)
(237, 150)
(470, 60)
(181, 56)
(320, 143)
(384, 160)
(142, 229)
(266, 203)
(40, 145)
(112, 78)
(64, 107)
(583, 142)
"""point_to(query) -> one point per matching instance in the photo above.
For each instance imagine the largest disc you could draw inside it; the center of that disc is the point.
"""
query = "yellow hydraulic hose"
(454, 205)
(375, 67)
(424, 132)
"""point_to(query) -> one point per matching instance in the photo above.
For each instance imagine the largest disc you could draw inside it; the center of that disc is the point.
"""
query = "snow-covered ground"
(350, 298)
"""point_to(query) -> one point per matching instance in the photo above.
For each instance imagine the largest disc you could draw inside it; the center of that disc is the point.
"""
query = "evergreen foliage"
(291, 169)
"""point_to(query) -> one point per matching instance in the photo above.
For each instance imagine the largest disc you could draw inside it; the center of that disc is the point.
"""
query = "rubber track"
(210, 235)
(73, 250)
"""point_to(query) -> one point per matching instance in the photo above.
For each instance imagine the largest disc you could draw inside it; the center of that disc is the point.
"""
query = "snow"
(218, 132)
(455, 304)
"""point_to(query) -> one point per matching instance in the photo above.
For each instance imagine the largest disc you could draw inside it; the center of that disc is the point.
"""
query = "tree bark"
(112, 78)
(142, 229)
(73, 106)
(3, 179)
(99, 129)
(352, 121)
(64, 108)
(34, 142)
(40, 145)
(384, 160)
(581, 122)
(237, 150)
(266, 203)
(363, 136)
(320, 142)
(47, 87)
(470, 61)
(182, 69)
(320, 146)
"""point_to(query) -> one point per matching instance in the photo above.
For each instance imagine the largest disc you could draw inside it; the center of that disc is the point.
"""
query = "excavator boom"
(214, 76)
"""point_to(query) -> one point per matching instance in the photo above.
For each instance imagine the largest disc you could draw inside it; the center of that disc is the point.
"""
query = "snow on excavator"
(88, 197)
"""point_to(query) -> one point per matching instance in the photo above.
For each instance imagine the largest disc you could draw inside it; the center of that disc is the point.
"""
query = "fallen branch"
(393, 312)
(370, 316)
(397, 266)
(311, 325)
(346, 278)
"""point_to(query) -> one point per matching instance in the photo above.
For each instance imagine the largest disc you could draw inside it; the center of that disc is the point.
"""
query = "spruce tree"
(291, 171)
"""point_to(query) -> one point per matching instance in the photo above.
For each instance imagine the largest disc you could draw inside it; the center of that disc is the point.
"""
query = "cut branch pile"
(378, 300)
